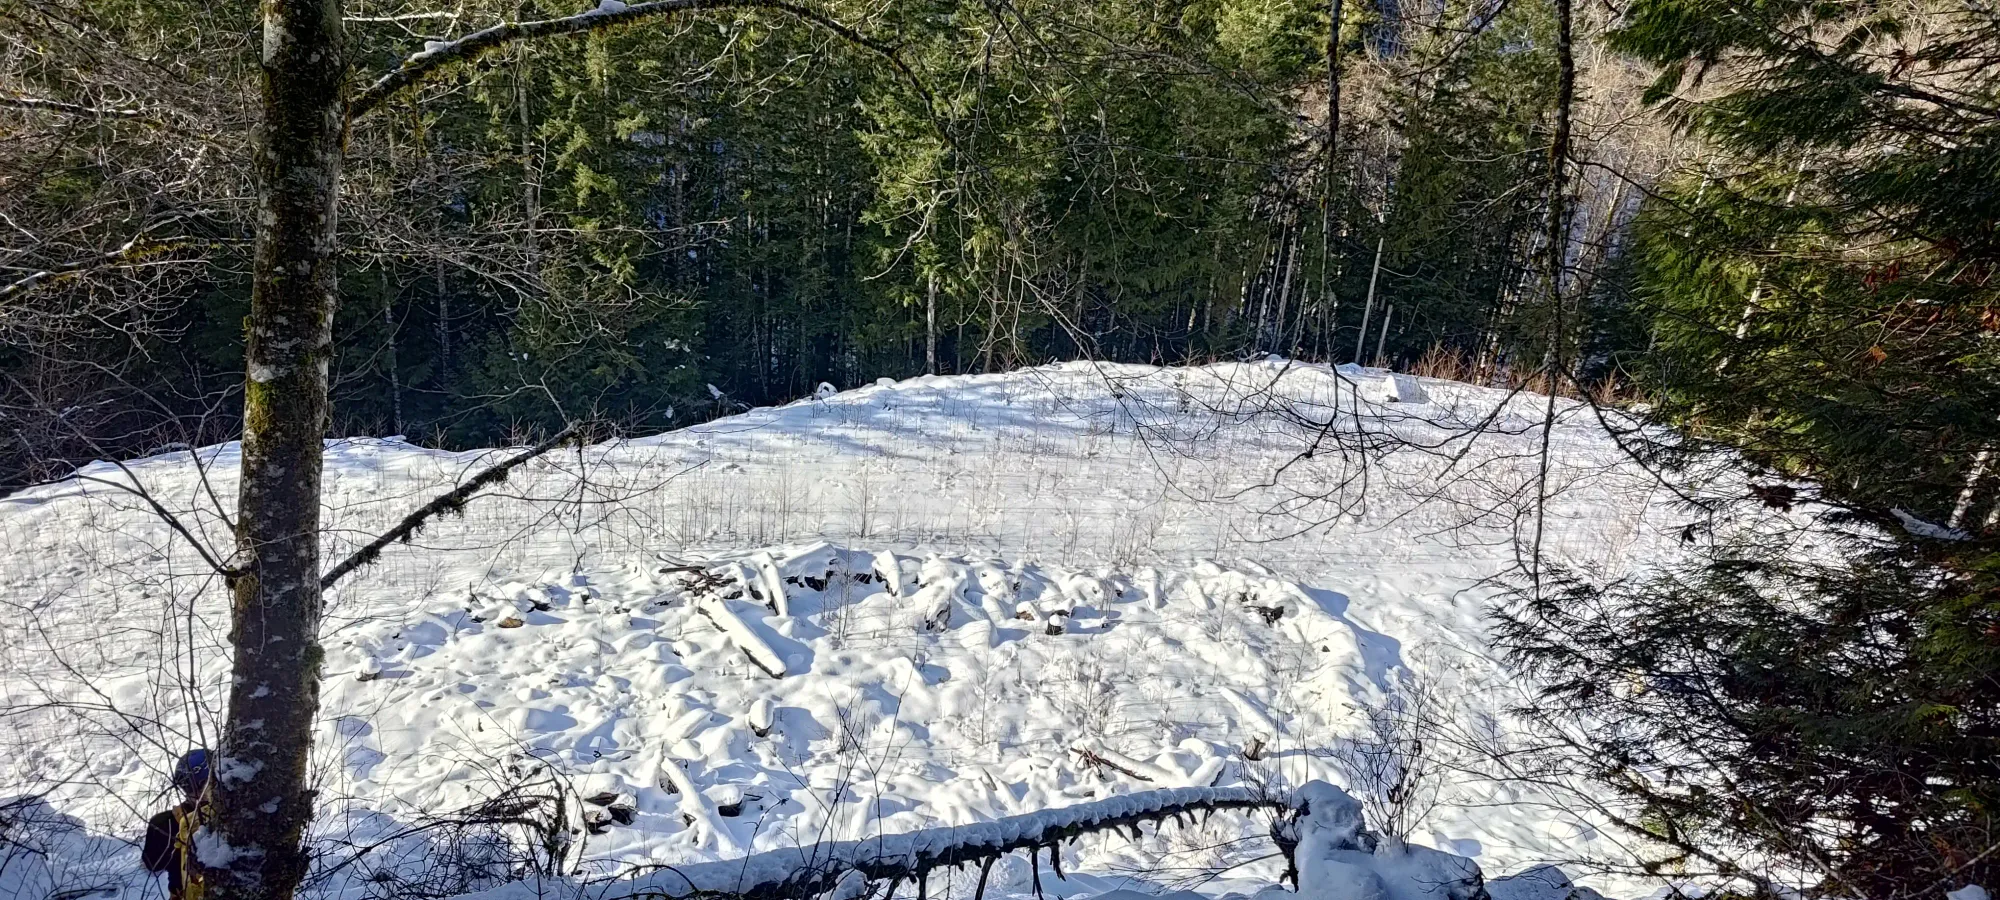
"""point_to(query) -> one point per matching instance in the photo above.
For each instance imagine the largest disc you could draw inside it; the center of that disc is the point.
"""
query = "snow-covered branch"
(74, 109)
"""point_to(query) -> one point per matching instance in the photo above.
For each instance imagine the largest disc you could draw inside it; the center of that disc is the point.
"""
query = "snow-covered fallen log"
(746, 636)
(694, 807)
(814, 870)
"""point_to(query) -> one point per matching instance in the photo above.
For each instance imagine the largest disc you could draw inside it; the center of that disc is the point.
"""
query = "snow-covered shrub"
(1394, 765)
(1336, 857)
(529, 824)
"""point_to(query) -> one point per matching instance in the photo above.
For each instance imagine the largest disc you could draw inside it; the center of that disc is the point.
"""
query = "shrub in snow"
(1550, 883)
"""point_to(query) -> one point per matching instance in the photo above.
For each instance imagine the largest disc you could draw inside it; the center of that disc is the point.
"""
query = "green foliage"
(1839, 718)
(1458, 208)
(1819, 305)
(1823, 299)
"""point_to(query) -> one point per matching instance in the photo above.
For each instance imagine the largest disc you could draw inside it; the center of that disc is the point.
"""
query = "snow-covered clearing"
(925, 603)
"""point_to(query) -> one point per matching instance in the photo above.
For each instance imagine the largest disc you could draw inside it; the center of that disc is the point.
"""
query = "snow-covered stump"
(1335, 857)
(762, 717)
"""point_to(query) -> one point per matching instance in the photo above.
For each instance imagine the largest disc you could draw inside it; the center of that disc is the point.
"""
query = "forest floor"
(907, 605)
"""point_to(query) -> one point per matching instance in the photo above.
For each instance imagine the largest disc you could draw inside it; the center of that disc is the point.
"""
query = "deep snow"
(838, 619)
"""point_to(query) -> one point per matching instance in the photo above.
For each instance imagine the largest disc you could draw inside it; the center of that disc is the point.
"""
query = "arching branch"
(448, 502)
(136, 248)
(606, 14)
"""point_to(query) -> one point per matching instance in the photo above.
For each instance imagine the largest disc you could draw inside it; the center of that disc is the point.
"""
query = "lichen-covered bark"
(250, 848)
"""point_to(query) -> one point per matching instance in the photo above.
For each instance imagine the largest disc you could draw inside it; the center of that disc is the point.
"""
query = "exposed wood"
(1092, 758)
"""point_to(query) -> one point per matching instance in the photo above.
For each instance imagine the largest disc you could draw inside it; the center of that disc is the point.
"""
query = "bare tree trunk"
(1757, 292)
(394, 365)
(930, 326)
(1330, 151)
(250, 847)
(1558, 246)
(1285, 290)
(1382, 340)
(1368, 308)
(443, 325)
(531, 178)
(1971, 489)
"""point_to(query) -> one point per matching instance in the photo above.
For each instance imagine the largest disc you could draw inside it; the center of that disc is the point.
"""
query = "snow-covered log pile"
(1336, 857)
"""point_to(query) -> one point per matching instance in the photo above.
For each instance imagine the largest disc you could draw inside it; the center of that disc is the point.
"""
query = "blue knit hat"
(192, 771)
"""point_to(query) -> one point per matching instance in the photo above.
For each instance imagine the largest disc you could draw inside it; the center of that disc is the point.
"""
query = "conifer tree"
(1822, 313)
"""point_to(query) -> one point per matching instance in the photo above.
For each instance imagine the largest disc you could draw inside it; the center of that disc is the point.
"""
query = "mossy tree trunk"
(261, 801)
(250, 848)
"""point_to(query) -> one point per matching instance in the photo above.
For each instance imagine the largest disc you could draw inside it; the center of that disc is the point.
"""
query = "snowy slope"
(806, 623)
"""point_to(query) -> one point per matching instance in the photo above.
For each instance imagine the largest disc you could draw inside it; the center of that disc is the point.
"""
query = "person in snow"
(170, 834)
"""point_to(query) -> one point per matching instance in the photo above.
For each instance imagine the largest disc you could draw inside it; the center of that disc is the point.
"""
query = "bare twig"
(123, 252)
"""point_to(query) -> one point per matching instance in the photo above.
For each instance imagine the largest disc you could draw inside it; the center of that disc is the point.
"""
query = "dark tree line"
(610, 225)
